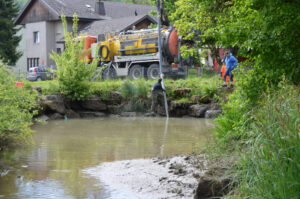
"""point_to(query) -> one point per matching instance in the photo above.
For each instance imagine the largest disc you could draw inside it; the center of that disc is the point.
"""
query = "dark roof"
(85, 9)
(114, 25)
(118, 10)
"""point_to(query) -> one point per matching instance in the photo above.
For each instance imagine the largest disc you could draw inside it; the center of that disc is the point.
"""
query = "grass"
(266, 141)
(48, 87)
(183, 99)
(206, 85)
(271, 168)
(104, 88)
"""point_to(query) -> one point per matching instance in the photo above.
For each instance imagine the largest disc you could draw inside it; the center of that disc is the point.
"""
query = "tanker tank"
(139, 43)
(135, 54)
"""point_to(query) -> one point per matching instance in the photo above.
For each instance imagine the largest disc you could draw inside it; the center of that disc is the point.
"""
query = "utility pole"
(160, 57)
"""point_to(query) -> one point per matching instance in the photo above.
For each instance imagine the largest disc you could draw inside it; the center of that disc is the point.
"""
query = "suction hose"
(160, 58)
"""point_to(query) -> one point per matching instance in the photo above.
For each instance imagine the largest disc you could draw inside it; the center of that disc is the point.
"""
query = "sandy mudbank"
(175, 177)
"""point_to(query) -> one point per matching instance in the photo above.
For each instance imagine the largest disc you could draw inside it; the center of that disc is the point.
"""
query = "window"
(58, 50)
(32, 62)
(36, 37)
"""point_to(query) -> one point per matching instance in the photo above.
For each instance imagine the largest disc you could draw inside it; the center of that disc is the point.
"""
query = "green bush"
(74, 74)
(238, 107)
(142, 89)
(136, 94)
(15, 110)
(128, 90)
(271, 168)
(236, 116)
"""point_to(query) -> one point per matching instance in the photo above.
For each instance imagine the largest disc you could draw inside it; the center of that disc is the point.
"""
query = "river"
(52, 167)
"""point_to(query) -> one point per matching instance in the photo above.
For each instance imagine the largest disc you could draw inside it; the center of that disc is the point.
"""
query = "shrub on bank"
(74, 74)
(136, 93)
(16, 104)
(239, 107)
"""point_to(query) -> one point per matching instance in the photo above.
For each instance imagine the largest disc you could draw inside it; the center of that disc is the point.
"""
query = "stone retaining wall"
(56, 106)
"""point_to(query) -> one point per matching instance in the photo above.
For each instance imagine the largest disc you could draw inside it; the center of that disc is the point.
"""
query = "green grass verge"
(206, 85)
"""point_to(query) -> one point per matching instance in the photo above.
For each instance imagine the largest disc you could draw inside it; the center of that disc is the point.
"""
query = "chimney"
(99, 7)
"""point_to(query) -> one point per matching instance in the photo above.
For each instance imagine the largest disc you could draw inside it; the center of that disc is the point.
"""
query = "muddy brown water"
(52, 167)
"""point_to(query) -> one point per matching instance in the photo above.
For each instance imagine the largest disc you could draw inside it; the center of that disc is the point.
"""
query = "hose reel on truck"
(100, 52)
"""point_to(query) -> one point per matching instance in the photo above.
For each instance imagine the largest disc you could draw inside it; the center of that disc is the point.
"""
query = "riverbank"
(177, 177)
(58, 107)
(194, 97)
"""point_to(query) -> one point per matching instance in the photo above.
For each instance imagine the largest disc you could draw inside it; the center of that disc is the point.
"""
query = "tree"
(8, 38)
(166, 8)
(264, 31)
(198, 20)
(267, 32)
(73, 71)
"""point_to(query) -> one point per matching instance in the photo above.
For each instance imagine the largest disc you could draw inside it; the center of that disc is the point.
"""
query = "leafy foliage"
(198, 21)
(8, 38)
(266, 32)
(74, 74)
(15, 110)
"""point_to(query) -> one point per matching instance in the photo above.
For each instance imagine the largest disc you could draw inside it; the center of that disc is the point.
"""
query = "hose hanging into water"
(160, 58)
(164, 137)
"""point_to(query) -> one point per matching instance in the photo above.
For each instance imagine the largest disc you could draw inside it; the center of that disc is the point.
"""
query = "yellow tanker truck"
(135, 54)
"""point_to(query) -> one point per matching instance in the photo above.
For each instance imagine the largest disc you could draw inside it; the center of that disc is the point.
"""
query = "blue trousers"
(228, 73)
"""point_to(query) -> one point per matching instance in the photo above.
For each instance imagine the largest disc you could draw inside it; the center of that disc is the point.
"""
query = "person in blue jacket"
(231, 63)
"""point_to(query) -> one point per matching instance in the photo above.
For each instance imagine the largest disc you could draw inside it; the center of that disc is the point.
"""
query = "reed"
(271, 168)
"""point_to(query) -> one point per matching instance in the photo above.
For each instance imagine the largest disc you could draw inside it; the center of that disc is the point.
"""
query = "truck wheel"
(39, 79)
(153, 72)
(136, 72)
(109, 73)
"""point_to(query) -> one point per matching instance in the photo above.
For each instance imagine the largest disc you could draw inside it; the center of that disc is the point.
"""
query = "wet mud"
(174, 177)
